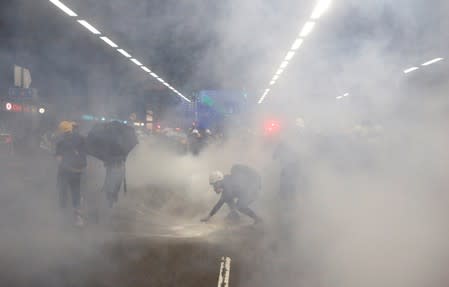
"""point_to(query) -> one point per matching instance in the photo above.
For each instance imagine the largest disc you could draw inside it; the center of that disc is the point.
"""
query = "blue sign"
(21, 93)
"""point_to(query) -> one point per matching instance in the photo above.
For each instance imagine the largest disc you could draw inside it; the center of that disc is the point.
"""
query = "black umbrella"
(111, 140)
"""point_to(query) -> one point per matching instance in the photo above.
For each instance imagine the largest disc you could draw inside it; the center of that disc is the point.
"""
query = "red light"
(16, 108)
(272, 127)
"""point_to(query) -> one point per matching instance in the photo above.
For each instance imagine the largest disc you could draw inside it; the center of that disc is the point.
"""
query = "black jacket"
(72, 149)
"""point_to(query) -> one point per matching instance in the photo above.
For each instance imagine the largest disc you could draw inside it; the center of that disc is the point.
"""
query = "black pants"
(289, 181)
(69, 180)
(246, 198)
(115, 175)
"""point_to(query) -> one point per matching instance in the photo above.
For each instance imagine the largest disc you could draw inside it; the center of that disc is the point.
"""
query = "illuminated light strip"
(307, 29)
(283, 65)
(279, 72)
(124, 53)
(109, 42)
(92, 29)
(320, 8)
(146, 69)
(345, 94)
(339, 97)
(297, 44)
(317, 12)
(135, 61)
(89, 27)
(406, 71)
(289, 56)
(264, 95)
(64, 8)
(432, 61)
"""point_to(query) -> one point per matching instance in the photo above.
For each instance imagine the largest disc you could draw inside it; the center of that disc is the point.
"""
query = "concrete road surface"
(131, 245)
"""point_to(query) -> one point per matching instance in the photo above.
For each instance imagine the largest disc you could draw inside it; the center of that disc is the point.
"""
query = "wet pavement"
(130, 245)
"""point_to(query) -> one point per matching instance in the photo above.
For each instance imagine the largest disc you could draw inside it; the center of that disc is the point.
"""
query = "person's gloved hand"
(205, 219)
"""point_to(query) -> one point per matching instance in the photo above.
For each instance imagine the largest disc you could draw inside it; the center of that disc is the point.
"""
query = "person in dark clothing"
(289, 170)
(238, 190)
(195, 142)
(115, 177)
(71, 154)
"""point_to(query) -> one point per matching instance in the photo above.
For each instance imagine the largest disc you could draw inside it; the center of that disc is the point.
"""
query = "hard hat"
(65, 127)
(215, 177)
(195, 132)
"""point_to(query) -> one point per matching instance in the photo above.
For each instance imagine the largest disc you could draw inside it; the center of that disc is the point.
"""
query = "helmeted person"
(71, 154)
(237, 189)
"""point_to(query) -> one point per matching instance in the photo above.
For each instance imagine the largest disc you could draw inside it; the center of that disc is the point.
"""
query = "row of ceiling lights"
(319, 9)
(428, 63)
(406, 71)
(108, 41)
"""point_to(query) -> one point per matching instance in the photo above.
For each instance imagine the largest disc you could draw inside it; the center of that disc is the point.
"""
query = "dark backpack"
(245, 176)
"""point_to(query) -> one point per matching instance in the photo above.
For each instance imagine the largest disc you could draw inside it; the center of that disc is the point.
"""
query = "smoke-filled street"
(224, 143)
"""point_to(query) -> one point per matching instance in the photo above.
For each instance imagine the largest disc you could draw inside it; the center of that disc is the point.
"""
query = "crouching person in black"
(238, 190)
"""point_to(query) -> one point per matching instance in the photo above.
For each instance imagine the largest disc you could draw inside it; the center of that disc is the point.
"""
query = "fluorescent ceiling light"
(89, 27)
(345, 94)
(283, 65)
(109, 42)
(289, 56)
(306, 29)
(278, 72)
(432, 61)
(160, 80)
(124, 53)
(406, 71)
(264, 95)
(275, 77)
(272, 82)
(166, 84)
(339, 97)
(154, 75)
(146, 69)
(297, 44)
(320, 8)
(136, 62)
(64, 8)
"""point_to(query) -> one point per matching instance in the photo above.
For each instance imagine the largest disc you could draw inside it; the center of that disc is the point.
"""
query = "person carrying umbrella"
(111, 143)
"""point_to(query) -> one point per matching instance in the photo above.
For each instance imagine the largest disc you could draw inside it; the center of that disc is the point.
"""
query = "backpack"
(245, 176)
